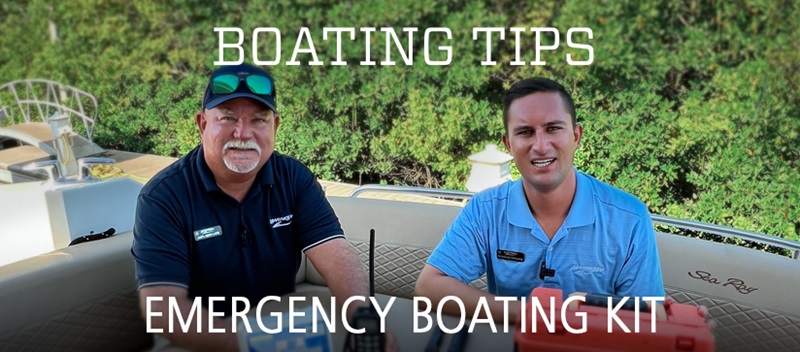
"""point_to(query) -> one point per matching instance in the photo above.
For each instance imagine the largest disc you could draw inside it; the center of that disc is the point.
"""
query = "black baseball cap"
(240, 81)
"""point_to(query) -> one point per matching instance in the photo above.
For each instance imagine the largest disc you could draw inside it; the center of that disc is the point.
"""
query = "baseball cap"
(240, 81)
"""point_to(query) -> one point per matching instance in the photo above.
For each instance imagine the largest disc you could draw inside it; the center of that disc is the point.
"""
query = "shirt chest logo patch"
(207, 233)
(587, 269)
(281, 221)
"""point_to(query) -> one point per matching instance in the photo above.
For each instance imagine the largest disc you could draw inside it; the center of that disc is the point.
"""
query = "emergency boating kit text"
(437, 45)
(275, 322)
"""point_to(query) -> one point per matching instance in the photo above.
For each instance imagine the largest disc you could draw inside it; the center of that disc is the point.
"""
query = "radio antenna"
(372, 262)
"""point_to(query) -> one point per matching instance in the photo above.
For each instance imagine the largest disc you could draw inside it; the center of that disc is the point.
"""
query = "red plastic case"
(681, 328)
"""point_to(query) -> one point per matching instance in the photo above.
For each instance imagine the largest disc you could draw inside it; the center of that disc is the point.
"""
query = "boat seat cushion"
(403, 241)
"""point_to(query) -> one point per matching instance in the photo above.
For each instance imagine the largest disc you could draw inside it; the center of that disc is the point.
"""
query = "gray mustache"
(240, 144)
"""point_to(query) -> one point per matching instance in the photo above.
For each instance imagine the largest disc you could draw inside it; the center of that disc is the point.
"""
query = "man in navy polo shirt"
(554, 227)
(232, 218)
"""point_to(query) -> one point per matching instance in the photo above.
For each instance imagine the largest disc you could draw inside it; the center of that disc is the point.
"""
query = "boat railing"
(37, 100)
(420, 191)
(689, 225)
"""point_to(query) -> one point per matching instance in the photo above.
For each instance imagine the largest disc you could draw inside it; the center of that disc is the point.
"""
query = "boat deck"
(142, 167)
(18, 157)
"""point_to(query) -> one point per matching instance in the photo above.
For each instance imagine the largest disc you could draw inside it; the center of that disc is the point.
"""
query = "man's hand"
(702, 310)
(391, 342)
(190, 339)
(345, 276)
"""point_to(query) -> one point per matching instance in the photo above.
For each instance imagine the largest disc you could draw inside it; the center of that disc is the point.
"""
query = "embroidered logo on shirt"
(207, 233)
(281, 221)
(587, 269)
(510, 255)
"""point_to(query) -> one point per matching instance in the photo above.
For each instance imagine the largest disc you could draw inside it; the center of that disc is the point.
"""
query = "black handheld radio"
(367, 318)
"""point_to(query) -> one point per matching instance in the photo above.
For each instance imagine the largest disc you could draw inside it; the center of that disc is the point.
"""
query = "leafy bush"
(692, 106)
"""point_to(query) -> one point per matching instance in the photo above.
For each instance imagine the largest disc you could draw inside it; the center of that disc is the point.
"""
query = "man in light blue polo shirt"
(554, 227)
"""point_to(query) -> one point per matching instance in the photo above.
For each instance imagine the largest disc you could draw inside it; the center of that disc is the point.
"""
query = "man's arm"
(641, 274)
(344, 274)
(435, 285)
(460, 257)
(341, 269)
(190, 340)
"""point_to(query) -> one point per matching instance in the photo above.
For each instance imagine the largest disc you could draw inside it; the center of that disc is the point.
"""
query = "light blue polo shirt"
(606, 245)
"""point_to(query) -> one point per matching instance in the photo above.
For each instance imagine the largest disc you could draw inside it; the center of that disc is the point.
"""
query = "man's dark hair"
(536, 85)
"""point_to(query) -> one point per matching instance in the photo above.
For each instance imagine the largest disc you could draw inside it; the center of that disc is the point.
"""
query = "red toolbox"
(584, 323)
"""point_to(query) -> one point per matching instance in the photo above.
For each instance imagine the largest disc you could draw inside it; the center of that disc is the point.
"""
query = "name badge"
(207, 233)
(510, 255)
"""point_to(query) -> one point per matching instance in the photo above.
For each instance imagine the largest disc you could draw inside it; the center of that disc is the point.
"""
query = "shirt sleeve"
(159, 248)
(641, 273)
(462, 252)
(314, 218)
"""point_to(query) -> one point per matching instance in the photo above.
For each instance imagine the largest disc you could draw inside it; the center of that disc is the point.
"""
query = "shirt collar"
(519, 214)
(265, 175)
(581, 212)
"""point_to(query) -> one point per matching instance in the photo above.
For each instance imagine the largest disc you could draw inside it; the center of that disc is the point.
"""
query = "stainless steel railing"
(683, 224)
(730, 232)
(420, 191)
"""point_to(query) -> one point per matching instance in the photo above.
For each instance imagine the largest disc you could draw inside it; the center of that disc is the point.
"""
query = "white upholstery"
(80, 298)
(83, 298)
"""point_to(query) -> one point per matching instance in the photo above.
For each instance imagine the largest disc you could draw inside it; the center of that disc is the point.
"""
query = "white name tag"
(207, 233)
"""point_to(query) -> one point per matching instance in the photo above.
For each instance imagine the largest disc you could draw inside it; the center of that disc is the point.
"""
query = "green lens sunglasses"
(227, 84)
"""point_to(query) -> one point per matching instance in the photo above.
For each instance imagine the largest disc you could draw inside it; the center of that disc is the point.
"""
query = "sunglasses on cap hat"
(226, 84)
(245, 81)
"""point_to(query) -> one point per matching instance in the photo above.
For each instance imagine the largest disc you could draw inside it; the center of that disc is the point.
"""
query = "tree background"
(693, 106)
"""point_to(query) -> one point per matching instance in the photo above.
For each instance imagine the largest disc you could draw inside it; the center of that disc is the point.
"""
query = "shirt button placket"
(244, 235)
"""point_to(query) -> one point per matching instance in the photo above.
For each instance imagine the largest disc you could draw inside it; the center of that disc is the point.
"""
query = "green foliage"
(690, 105)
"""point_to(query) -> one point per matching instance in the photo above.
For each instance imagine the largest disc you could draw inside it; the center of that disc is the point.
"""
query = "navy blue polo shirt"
(189, 233)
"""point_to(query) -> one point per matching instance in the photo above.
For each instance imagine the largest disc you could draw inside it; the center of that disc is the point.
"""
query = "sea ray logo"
(281, 221)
